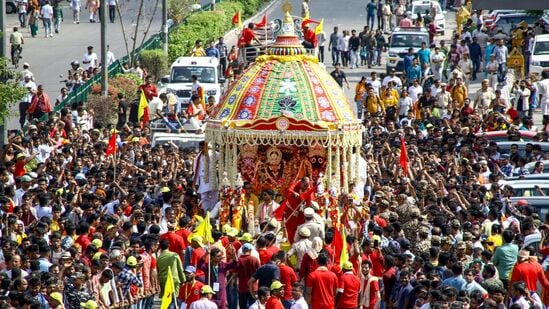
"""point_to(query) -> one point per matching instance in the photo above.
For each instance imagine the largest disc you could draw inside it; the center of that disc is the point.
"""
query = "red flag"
(337, 244)
(403, 156)
(236, 19)
(279, 212)
(145, 118)
(111, 147)
(308, 21)
(262, 23)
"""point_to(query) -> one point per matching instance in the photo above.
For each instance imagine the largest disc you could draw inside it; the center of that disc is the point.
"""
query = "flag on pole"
(344, 257)
(111, 147)
(278, 214)
(143, 111)
(204, 230)
(403, 156)
(307, 21)
(169, 291)
(262, 23)
(236, 20)
(320, 27)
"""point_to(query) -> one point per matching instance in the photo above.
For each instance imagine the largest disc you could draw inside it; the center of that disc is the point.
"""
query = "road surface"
(349, 15)
(51, 57)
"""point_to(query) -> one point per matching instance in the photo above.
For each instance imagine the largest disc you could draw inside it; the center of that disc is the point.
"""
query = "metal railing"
(81, 93)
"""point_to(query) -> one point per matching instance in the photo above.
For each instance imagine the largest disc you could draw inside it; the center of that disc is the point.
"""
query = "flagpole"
(209, 249)
(114, 158)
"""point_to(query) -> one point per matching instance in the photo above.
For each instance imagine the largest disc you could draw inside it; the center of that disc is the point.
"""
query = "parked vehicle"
(11, 6)
(505, 147)
(525, 187)
(538, 177)
(181, 140)
(423, 7)
(400, 41)
(540, 203)
(539, 60)
(502, 136)
(179, 81)
(508, 22)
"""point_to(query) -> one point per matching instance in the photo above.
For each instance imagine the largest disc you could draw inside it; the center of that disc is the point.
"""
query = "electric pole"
(3, 36)
(165, 26)
(104, 66)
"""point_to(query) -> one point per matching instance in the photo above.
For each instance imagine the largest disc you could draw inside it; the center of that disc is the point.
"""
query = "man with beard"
(299, 194)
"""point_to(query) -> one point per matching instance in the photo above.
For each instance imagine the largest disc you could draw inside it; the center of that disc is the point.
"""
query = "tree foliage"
(10, 90)
(154, 61)
(208, 26)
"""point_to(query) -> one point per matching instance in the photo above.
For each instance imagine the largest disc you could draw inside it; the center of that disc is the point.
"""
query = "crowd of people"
(98, 218)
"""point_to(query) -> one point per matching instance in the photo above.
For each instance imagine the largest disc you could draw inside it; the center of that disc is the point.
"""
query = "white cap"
(308, 212)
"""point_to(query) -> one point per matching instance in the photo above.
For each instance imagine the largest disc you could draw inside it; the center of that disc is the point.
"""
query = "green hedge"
(208, 26)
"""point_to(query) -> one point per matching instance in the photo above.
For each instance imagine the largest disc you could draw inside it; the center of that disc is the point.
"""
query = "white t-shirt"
(415, 92)
(31, 86)
(89, 61)
(376, 84)
(22, 6)
(404, 105)
(110, 58)
(300, 304)
(155, 105)
(395, 79)
(46, 12)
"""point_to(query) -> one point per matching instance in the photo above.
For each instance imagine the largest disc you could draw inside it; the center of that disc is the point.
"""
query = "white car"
(424, 6)
(179, 82)
(539, 60)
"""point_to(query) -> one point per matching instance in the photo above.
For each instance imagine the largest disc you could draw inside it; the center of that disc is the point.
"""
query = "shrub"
(208, 26)
(126, 84)
(154, 61)
(104, 110)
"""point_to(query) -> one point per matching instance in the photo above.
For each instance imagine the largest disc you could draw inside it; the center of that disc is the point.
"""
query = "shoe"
(51, 35)
(77, 22)
(56, 31)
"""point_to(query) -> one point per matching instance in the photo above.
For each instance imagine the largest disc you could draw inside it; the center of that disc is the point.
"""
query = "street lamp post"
(2, 54)
(104, 66)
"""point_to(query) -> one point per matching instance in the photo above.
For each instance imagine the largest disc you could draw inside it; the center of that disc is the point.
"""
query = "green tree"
(10, 91)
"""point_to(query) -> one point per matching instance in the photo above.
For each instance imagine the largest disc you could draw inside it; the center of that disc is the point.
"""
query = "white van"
(539, 61)
(179, 81)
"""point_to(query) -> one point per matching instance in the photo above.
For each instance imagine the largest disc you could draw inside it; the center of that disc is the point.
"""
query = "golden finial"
(287, 7)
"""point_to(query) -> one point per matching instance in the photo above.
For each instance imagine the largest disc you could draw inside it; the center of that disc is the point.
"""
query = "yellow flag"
(143, 106)
(319, 27)
(204, 230)
(344, 257)
(169, 288)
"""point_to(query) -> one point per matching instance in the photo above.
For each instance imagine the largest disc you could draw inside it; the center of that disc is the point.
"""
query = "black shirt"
(339, 77)
(266, 274)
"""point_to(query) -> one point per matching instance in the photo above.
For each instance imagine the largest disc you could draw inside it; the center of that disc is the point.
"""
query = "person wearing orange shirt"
(190, 290)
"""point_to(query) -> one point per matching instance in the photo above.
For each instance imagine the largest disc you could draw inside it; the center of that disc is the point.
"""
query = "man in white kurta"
(206, 186)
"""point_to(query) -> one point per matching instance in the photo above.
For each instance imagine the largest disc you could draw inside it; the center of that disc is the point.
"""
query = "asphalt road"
(349, 15)
(50, 57)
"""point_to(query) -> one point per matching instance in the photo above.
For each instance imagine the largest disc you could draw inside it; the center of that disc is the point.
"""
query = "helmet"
(75, 62)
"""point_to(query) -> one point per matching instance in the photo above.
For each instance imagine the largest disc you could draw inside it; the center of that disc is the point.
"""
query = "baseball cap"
(246, 237)
(26, 178)
(57, 296)
(190, 269)
(164, 190)
(131, 261)
(20, 155)
(347, 266)
(232, 232)
(97, 242)
(207, 290)
(247, 247)
(90, 304)
(276, 285)
(198, 239)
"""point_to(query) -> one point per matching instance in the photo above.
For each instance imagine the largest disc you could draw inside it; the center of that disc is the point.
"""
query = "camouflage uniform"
(410, 226)
(423, 242)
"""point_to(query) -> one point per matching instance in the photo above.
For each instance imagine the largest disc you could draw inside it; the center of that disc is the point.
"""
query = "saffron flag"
(403, 156)
(169, 288)
(337, 244)
(236, 20)
(262, 23)
(344, 257)
(307, 21)
(111, 147)
(143, 110)
(278, 214)
(320, 27)
(204, 230)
